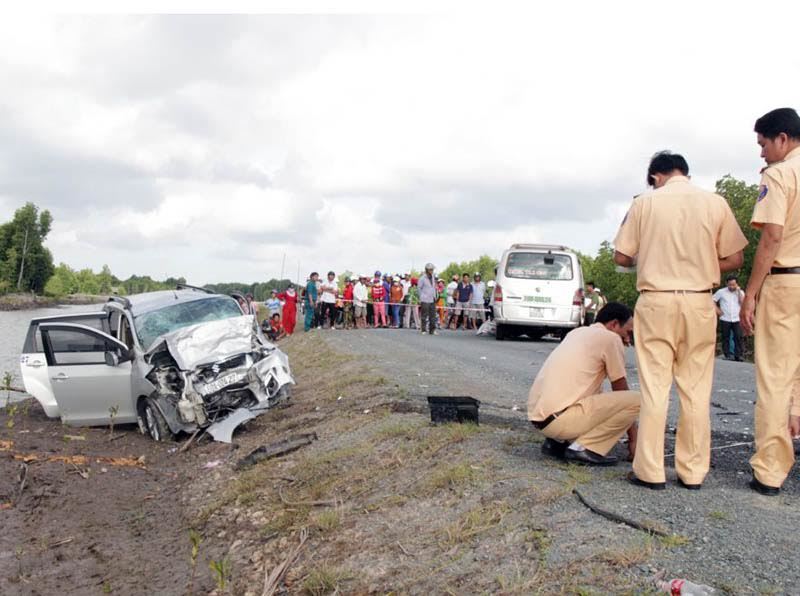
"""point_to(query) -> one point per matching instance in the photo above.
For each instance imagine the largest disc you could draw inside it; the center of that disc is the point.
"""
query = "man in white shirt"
(329, 290)
(451, 298)
(478, 314)
(728, 303)
(360, 297)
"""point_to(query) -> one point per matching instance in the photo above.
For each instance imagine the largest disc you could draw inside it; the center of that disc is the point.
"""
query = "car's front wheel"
(152, 422)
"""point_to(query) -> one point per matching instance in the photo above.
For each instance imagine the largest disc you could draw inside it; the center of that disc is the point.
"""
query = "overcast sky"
(210, 146)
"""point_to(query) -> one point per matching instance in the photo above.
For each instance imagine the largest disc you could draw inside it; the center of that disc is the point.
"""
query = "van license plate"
(537, 313)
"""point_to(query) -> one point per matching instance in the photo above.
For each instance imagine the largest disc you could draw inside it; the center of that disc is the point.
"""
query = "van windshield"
(539, 265)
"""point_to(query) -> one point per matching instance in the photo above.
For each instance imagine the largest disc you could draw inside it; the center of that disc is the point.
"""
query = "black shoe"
(651, 485)
(589, 458)
(553, 448)
(769, 491)
(682, 484)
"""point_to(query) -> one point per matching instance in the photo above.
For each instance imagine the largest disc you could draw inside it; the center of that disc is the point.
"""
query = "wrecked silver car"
(216, 374)
(173, 361)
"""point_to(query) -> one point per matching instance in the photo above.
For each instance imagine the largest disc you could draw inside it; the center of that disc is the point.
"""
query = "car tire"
(500, 332)
(152, 421)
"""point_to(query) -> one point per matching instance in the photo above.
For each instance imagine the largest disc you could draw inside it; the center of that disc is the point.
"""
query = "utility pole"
(283, 265)
(22, 264)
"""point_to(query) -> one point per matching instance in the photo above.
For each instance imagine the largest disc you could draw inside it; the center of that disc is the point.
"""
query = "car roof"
(76, 315)
(149, 301)
(539, 247)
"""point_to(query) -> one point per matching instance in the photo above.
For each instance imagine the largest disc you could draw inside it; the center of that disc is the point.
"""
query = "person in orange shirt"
(771, 305)
(680, 238)
(581, 423)
(396, 299)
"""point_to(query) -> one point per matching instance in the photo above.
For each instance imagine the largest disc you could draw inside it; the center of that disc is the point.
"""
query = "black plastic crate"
(453, 408)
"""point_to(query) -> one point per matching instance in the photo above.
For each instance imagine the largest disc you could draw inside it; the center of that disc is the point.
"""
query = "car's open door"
(90, 372)
(33, 365)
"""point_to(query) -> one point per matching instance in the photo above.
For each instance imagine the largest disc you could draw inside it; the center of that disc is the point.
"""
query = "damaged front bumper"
(217, 375)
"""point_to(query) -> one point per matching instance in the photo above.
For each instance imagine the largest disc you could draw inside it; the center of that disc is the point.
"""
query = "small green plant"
(718, 515)
(112, 413)
(11, 412)
(222, 572)
(195, 539)
(107, 588)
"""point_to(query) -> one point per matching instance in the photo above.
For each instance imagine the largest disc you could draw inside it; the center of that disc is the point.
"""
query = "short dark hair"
(331, 273)
(465, 275)
(313, 273)
(614, 311)
(665, 162)
(275, 314)
(590, 283)
(773, 123)
(731, 278)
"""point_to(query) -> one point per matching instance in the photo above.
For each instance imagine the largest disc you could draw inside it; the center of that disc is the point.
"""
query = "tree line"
(26, 265)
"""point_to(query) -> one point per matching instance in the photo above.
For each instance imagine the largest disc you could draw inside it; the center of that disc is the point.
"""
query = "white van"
(539, 290)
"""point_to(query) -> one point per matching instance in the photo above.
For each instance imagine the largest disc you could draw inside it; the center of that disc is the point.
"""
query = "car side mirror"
(112, 359)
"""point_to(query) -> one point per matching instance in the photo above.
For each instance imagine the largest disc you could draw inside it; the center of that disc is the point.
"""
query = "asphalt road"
(500, 373)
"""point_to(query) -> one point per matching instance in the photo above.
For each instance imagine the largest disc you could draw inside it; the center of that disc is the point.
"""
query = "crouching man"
(565, 402)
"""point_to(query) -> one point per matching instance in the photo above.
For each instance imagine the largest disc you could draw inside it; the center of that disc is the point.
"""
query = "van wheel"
(500, 332)
(152, 422)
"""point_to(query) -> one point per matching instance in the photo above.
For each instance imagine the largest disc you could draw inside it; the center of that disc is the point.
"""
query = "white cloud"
(211, 146)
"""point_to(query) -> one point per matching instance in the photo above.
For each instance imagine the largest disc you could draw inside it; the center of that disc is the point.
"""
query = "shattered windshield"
(165, 320)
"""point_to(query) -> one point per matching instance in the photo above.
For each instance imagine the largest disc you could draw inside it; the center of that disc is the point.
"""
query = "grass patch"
(475, 522)
(450, 476)
(578, 475)
(324, 580)
(399, 430)
(674, 540)
(539, 541)
(287, 520)
(327, 520)
(718, 515)
(629, 556)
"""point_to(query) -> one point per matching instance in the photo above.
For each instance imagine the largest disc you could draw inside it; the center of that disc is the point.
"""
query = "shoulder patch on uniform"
(762, 192)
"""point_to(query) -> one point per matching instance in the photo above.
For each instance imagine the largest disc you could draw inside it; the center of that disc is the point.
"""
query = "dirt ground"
(382, 502)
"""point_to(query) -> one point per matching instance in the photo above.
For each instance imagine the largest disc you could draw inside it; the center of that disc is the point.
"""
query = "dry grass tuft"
(327, 520)
(325, 580)
(475, 522)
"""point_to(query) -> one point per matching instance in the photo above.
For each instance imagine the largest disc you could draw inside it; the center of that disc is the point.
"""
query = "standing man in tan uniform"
(774, 286)
(581, 423)
(680, 237)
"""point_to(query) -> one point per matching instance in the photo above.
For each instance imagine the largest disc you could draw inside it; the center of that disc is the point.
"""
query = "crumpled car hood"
(209, 342)
(262, 371)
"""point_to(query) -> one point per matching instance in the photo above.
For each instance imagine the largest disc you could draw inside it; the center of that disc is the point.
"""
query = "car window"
(33, 341)
(538, 265)
(153, 324)
(77, 347)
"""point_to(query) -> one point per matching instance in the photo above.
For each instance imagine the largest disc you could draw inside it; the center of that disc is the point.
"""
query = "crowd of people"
(425, 303)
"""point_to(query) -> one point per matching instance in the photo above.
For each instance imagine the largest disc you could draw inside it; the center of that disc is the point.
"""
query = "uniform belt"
(542, 424)
(678, 291)
(784, 270)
